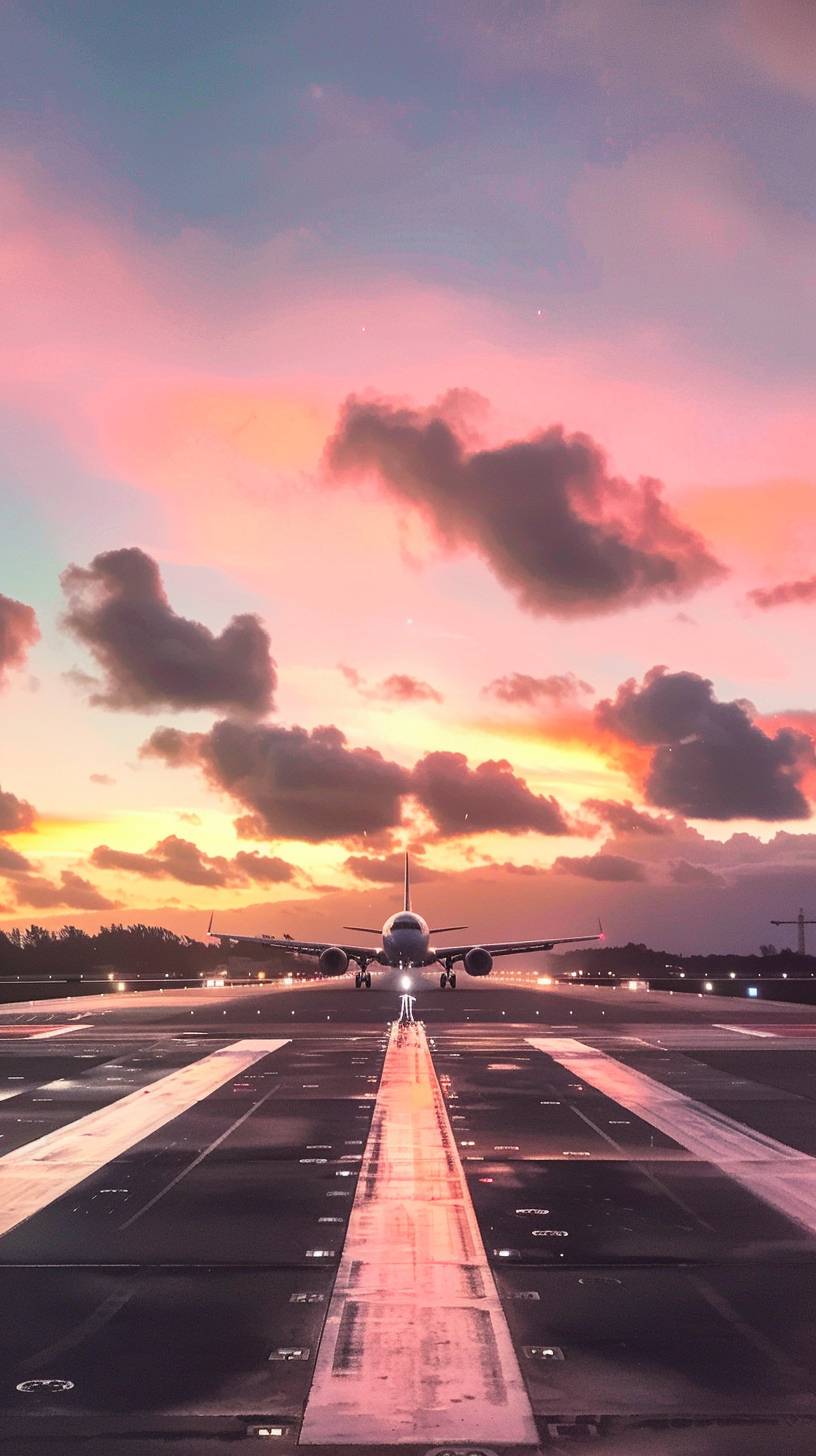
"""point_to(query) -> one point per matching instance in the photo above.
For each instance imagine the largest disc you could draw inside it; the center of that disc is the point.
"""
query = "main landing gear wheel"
(448, 978)
(358, 980)
(452, 980)
(367, 980)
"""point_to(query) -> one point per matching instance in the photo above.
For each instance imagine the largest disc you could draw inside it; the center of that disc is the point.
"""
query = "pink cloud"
(153, 362)
(778, 37)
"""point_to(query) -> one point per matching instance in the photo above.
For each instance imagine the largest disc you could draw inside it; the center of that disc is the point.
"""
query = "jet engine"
(333, 961)
(478, 962)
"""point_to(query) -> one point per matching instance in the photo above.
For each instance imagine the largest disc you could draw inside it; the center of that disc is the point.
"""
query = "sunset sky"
(408, 441)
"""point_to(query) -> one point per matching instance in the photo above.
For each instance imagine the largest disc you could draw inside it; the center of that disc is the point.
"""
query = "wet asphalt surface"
(165, 1286)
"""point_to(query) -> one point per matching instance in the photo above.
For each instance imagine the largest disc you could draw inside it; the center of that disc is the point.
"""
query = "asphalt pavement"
(606, 1196)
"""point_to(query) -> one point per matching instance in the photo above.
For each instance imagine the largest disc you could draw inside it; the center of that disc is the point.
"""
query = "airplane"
(405, 944)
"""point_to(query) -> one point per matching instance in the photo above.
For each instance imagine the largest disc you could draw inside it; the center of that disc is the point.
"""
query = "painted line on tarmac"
(780, 1175)
(36, 1174)
(416, 1346)
(90, 1325)
(61, 1031)
(205, 1153)
(743, 1030)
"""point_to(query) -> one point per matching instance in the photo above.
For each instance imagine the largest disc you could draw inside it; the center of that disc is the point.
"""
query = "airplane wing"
(511, 947)
(295, 947)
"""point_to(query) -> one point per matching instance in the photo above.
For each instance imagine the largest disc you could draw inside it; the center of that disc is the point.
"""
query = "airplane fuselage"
(405, 944)
(406, 940)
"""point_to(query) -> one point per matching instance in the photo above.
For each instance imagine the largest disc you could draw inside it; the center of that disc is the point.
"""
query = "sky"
(407, 442)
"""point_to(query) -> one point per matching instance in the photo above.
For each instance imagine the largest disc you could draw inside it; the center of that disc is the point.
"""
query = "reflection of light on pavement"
(780, 1175)
(41, 1171)
(413, 1281)
(407, 1006)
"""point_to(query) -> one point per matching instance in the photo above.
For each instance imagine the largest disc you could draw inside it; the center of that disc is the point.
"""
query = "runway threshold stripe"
(36, 1174)
(416, 1346)
(781, 1176)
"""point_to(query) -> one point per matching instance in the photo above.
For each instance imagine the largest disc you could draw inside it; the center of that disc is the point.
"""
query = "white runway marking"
(743, 1030)
(36, 1174)
(416, 1346)
(779, 1175)
(61, 1031)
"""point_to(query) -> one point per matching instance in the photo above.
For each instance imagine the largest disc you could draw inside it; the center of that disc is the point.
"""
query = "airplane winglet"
(601, 931)
(209, 927)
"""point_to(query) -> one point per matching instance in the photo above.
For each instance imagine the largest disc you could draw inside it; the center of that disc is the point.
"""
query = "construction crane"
(800, 922)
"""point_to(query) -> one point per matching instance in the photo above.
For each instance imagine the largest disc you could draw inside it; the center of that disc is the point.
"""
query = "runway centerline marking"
(416, 1346)
(778, 1174)
(39, 1172)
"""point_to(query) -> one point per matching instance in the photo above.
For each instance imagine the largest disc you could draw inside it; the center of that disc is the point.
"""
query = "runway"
(546, 1218)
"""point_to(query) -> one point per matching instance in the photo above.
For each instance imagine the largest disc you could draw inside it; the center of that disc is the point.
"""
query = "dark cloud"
(265, 869)
(803, 719)
(15, 814)
(173, 858)
(387, 870)
(11, 861)
(561, 532)
(18, 632)
(519, 687)
(710, 760)
(180, 859)
(72, 893)
(785, 593)
(400, 687)
(151, 657)
(295, 784)
(599, 866)
(465, 800)
(625, 819)
(682, 872)
(174, 746)
(508, 868)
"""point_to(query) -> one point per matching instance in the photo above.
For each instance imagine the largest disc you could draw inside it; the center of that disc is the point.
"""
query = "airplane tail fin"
(407, 904)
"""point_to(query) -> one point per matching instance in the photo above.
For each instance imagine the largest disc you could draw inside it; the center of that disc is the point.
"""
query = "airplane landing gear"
(358, 980)
(363, 979)
(448, 978)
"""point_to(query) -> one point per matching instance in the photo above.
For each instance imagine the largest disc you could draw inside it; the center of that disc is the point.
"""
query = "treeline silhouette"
(637, 959)
(147, 950)
(151, 950)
